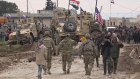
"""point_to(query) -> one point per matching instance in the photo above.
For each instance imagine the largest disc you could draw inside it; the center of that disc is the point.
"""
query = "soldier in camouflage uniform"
(49, 43)
(88, 50)
(66, 47)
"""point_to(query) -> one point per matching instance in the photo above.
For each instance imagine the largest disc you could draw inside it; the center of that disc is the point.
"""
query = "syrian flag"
(23, 17)
(9, 16)
(112, 1)
(75, 4)
(99, 17)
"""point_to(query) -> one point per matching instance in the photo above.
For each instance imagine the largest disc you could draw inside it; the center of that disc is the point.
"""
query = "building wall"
(114, 21)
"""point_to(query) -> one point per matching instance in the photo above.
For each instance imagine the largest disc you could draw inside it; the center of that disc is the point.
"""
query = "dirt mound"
(5, 62)
(126, 63)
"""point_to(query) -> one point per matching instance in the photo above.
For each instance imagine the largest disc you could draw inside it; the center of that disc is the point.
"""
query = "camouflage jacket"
(49, 43)
(66, 46)
(91, 49)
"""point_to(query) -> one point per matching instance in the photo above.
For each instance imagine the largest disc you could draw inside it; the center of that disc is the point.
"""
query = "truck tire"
(70, 26)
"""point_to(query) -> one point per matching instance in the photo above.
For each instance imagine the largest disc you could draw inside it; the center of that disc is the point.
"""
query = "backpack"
(87, 46)
(47, 42)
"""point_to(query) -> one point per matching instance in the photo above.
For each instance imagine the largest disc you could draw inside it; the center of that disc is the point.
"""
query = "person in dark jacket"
(115, 51)
(105, 52)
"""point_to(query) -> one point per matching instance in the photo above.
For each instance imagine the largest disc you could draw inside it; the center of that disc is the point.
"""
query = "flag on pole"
(112, 1)
(75, 4)
(9, 16)
(81, 10)
(99, 17)
(23, 17)
(54, 7)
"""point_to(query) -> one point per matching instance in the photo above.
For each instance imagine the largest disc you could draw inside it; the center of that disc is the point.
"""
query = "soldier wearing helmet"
(88, 50)
(49, 43)
(66, 47)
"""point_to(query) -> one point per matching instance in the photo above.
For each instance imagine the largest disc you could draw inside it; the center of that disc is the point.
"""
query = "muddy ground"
(22, 69)
(13, 56)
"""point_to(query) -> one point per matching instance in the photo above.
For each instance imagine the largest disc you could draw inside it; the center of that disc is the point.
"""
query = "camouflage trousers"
(49, 58)
(89, 62)
(66, 61)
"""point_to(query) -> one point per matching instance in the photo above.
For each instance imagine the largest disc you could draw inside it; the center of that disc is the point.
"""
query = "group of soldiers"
(91, 48)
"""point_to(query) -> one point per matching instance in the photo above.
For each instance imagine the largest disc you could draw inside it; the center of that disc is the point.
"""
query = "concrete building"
(43, 15)
(114, 21)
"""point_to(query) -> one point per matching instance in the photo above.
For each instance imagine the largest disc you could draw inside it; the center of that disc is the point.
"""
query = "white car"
(108, 28)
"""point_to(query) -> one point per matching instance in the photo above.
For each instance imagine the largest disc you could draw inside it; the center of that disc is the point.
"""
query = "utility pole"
(27, 8)
(95, 9)
(57, 3)
(110, 15)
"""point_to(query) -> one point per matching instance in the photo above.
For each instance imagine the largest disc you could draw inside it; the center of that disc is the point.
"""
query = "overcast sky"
(121, 8)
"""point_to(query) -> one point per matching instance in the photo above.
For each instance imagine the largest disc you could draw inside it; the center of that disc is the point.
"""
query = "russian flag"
(75, 4)
(23, 17)
(9, 16)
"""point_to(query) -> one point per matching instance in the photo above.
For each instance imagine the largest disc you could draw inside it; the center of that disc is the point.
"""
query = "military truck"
(77, 25)
(26, 32)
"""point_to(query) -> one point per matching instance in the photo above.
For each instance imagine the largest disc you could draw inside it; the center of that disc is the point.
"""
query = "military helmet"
(47, 33)
(87, 35)
(96, 24)
(68, 35)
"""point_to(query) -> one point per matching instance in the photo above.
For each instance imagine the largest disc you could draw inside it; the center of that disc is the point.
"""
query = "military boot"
(45, 73)
(39, 77)
(65, 72)
(49, 71)
(87, 72)
(68, 71)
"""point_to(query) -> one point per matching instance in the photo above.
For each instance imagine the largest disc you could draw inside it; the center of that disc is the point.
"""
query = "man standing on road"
(66, 48)
(106, 46)
(41, 58)
(89, 51)
(49, 43)
(115, 50)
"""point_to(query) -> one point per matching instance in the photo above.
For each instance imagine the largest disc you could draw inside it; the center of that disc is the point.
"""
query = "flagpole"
(57, 3)
(101, 9)
(110, 13)
(81, 18)
(27, 8)
(68, 10)
(95, 9)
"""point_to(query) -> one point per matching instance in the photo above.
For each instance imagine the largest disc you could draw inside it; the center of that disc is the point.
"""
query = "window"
(114, 23)
(111, 23)
(61, 19)
(121, 23)
(72, 19)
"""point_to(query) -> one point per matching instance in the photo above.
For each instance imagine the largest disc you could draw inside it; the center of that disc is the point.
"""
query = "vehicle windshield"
(72, 19)
(61, 19)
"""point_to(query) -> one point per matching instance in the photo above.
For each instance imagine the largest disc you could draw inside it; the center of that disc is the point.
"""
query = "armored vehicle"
(26, 33)
(75, 24)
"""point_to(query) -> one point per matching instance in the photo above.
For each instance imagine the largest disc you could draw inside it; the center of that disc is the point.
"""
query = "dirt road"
(25, 70)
